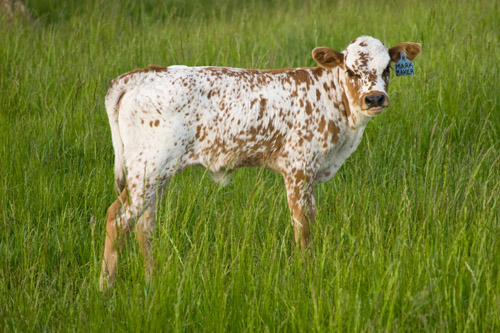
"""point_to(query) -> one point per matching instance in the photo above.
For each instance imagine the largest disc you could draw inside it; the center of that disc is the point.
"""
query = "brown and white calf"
(301, 122)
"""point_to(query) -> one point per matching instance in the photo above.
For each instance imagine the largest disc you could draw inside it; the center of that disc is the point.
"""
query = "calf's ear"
(326, 57)
(410, 49)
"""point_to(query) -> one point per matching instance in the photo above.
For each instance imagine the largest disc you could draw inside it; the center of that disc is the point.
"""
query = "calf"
(301, 122)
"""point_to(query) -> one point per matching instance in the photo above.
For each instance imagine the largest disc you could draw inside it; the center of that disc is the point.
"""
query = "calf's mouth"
(375, 102)
(375, 110)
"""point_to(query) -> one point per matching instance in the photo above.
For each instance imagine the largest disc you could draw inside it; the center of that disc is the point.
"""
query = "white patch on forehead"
(369, 49)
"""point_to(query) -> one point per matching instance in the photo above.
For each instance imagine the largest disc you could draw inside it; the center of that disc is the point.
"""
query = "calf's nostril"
(380, 100)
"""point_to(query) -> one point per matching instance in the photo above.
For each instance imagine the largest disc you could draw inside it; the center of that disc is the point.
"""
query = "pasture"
(407, 234)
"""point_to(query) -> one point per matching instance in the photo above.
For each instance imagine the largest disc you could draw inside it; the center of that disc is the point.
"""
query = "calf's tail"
(113, 102)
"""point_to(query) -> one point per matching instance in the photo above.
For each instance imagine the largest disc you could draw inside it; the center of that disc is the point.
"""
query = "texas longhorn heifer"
(301, 122)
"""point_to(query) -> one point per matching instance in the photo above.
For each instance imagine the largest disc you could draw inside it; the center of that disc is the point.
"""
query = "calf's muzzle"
(375, 99)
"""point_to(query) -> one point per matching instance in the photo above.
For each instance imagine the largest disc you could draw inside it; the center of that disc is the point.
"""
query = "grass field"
(407, 235)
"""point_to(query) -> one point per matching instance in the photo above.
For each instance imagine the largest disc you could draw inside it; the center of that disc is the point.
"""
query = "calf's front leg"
(300, 194)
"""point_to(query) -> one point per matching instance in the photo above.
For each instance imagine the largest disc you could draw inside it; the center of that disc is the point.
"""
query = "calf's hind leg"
(145, 227)
(138, 203)
(122, 215)
(117, 230)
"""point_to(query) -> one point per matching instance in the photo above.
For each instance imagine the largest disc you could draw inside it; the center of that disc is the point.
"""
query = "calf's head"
(364, 68)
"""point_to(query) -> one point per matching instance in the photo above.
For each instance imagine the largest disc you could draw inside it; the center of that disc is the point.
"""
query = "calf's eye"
(350, 73)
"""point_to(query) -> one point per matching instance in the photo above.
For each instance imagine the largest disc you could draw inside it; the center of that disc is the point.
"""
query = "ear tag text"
(404, 66)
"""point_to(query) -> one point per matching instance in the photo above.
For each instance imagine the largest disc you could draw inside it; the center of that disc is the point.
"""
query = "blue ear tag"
(404, 66)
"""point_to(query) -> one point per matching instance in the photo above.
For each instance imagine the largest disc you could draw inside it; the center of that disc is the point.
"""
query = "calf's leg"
(145, 227)
(121, 217)
(300, 194)
(145, 182)
(117, 230)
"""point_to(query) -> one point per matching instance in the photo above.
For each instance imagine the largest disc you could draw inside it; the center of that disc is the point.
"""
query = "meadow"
(407, 236)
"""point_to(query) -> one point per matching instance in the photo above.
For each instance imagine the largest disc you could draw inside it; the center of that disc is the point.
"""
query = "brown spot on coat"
(322, 124)
(253, 102)
(308, 108)
(346, 105)
(263, 103)
(333, 130)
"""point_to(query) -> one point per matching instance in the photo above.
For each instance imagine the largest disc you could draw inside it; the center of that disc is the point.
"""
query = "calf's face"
(364, 68)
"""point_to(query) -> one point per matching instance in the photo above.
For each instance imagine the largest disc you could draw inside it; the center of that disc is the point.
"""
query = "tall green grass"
(407, 233)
